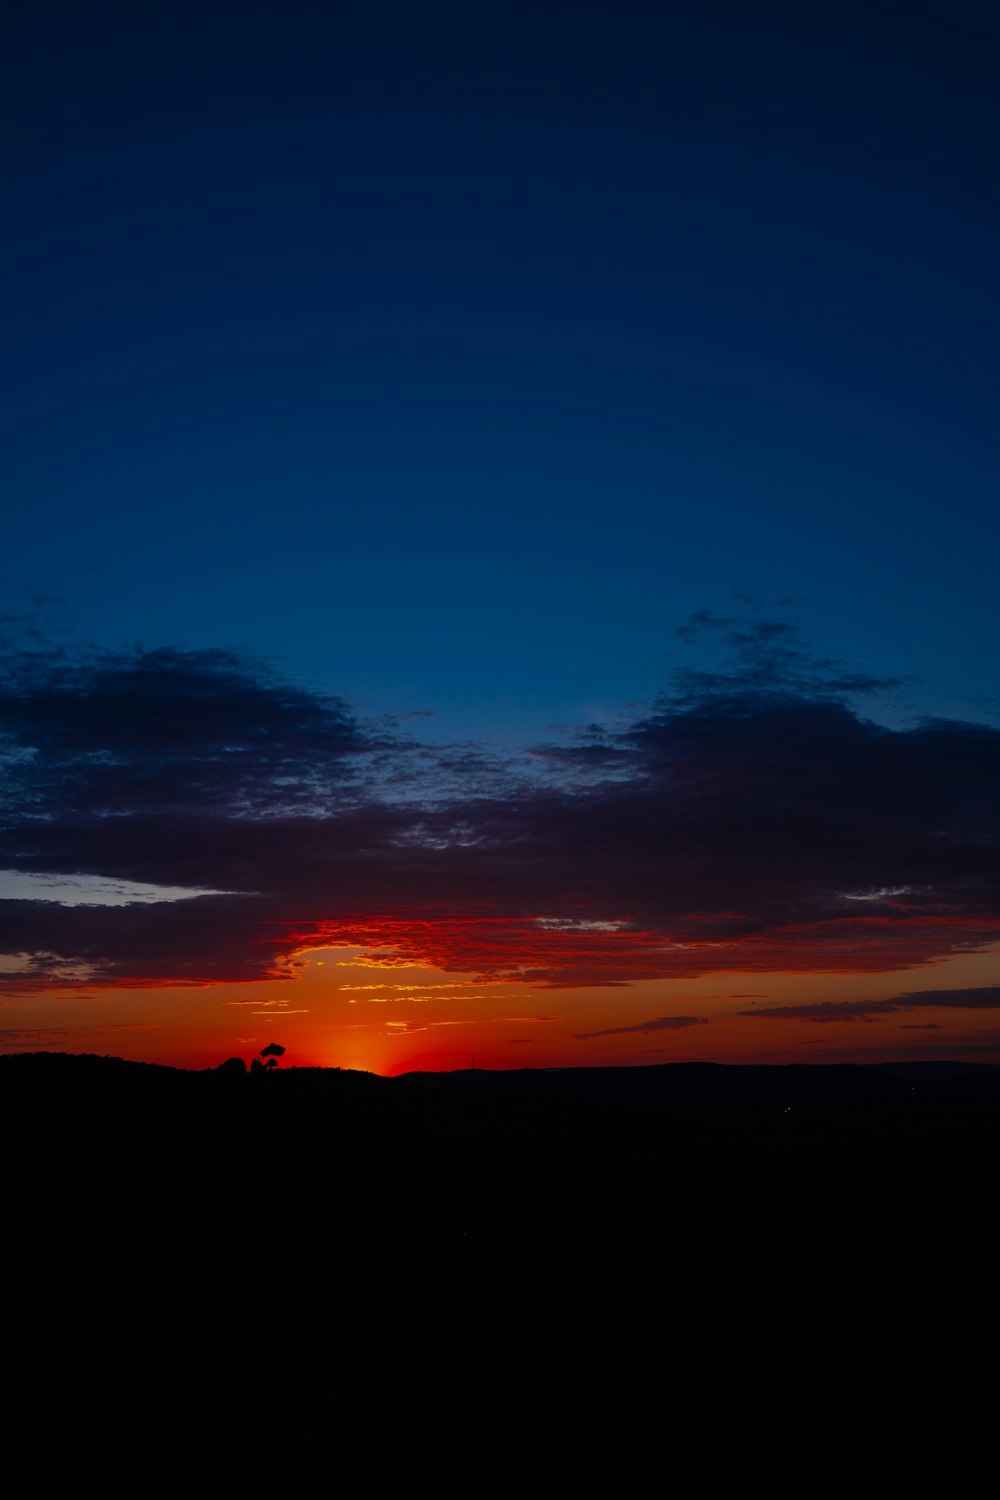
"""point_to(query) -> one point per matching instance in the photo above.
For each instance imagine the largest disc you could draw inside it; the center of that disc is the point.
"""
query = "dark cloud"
(662, 1023)
(751, 821)
(983, 997)
(46, 1038)
(758, 654)
(173, 730)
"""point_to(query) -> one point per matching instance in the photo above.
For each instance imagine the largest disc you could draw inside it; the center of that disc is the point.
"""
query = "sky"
(500, 529)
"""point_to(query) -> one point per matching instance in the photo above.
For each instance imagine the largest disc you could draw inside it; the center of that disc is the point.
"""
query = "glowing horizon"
(505, 517)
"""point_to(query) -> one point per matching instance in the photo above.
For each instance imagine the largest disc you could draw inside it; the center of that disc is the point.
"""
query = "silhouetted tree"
(267, 1058)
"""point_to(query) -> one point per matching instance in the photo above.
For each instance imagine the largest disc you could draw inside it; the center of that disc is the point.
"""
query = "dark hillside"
(508, 1282)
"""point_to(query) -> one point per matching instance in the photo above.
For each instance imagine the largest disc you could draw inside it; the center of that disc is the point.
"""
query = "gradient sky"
(502, 501)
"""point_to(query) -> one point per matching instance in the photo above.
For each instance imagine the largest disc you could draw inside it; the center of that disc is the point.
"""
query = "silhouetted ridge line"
(668, 1082)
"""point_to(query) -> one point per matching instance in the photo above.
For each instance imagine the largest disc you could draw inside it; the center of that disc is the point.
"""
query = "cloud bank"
(752, 819)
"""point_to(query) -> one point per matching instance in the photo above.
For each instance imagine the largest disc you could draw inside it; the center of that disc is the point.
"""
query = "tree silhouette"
(267, 1058)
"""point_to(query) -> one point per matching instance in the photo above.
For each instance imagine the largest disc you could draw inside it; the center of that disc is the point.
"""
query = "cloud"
(45, 1038)
(731, 826)
(532, 1018)
(759, 654)
(88, 890)
(171, 729)
(982, 997)
(282, 1002)
(662, 1023)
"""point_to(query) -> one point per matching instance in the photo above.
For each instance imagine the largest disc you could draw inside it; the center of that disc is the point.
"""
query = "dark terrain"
(309, 1281)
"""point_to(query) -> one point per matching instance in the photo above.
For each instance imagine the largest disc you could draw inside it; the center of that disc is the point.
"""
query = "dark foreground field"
(634, 1280)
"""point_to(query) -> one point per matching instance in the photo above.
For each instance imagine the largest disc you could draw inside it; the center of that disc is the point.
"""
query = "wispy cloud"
(46, 1038)
(983, 997)
(661, 1023)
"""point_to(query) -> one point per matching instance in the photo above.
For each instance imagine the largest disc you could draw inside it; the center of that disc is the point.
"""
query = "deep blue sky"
(456, 354)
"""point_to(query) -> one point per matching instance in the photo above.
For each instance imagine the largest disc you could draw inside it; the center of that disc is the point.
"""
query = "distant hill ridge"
(644, 1086)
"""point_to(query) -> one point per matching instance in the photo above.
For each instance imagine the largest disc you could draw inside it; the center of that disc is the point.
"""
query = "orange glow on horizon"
(349, 1008)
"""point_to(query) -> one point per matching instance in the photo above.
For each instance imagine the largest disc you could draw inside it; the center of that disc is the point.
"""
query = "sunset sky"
(499, 559)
